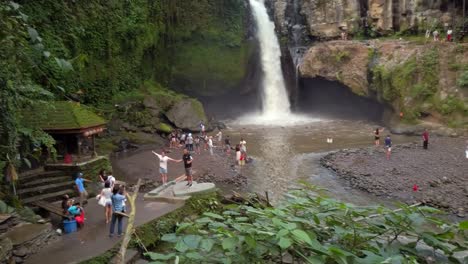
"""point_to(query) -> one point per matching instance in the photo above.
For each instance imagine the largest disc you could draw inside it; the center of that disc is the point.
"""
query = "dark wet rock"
(150, 102)
(20, 252)
(187, 114)
(18, 260)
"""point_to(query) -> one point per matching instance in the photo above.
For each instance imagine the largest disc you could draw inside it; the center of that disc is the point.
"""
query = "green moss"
(164, 128)
(62, 115)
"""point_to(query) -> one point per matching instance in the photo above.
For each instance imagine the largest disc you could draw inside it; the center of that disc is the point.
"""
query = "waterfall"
(275, 100)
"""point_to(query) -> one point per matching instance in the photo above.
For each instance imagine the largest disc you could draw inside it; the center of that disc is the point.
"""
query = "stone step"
(40, 175)
(43, 188)
(45, 181)
(55, 196)
(29, 172)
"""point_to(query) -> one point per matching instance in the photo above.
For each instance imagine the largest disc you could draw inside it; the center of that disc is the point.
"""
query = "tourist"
(163, 165)
(466, 150)
(202, 129)
(227, 143)
(449, 35)
(425, 138)
(436, 35)
(243, 158)
(205, 138)
(220, 137)
(210, 145)
(76, 212)
(243, 145)
(117, 209)
(111, 180)
(83, 194)
(377, 135)
(102, 176)
(197, 145)
(182, 140)
(388, 145)
(173, 141)
(104, 199)
(188, 160)
(189, 142)
(65, 204)
(238, 154)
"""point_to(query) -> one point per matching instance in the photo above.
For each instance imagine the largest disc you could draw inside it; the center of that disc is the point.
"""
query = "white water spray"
(275, 98)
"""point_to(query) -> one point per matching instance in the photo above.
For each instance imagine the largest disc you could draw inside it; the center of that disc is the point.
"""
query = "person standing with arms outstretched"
(188, 159)
(388, 145)
(425, 137)
(163, 165)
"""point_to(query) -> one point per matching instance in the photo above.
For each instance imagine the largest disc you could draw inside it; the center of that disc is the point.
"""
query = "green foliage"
(451, 105)
(312, 229)
(164, 128)
(463, 79)
(341, 56)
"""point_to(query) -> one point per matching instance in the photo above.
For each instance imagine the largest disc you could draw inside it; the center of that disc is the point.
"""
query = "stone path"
(93, 239)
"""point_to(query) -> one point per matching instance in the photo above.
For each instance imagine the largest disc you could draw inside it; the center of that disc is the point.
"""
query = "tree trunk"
(120, 257)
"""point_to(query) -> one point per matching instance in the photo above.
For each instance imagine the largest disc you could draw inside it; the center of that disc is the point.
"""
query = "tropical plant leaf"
(229, 243)
(33, 34)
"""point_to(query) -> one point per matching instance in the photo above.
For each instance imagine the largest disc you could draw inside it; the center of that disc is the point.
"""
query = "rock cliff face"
(326, 19)
(421, 81)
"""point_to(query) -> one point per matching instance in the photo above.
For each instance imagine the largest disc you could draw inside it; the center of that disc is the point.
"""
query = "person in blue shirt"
(388, 145)
(118, 199)
(79, 182)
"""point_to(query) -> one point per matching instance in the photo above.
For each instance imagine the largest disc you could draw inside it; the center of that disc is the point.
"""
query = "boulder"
(150, 102)
(187, 114)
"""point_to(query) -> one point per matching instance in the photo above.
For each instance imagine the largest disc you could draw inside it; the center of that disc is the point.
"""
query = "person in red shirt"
(425, 137)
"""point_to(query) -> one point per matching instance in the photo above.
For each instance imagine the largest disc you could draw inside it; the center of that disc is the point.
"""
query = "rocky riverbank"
(439, 172)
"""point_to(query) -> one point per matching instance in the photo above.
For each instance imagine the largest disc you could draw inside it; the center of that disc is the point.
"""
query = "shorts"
(377, 138)
(242, 162)
(162, 170)
(389, 148)
(188, 171)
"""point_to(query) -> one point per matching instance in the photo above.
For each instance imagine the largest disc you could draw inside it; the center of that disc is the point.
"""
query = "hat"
(190, 134)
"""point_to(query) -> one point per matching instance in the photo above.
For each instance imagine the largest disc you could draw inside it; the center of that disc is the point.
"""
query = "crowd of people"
(388, 141)
(112, 197)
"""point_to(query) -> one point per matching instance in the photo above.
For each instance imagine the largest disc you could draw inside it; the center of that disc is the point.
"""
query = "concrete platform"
(178, 191)
(181, 189)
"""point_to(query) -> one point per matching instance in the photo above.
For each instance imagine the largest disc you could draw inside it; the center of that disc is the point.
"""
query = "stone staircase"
(44, 185)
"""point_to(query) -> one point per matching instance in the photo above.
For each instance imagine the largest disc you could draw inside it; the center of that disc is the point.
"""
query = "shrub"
(313, 229)
(463, 80)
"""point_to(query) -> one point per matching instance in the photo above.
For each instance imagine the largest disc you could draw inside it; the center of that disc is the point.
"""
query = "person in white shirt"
(111, 180)
(220, 137)
(210, 144)
(243, 145)
(163, 165)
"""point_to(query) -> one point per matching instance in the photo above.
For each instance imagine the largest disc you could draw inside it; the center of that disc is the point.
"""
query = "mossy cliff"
(191, 45)
(423, 82)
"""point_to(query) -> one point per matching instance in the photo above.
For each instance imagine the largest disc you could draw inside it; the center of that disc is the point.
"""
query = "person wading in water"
(425, 137)
(163, 165)
(388, 145)
(377, 135)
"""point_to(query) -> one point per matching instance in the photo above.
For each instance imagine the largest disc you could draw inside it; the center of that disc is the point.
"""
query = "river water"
(285, 155)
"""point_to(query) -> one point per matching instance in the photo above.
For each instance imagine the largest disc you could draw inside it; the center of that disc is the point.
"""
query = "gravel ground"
(441, 172)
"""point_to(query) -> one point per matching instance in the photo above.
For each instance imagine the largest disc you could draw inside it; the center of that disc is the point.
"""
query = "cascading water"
(276, 109)
(275, 97)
